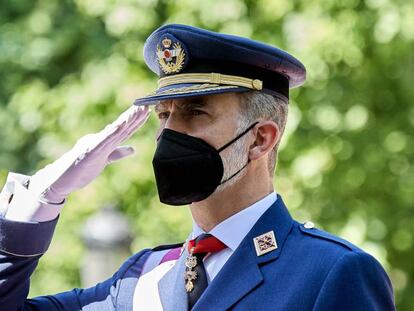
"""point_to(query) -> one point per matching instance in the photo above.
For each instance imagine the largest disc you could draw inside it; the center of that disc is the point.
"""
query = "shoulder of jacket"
(148, 257)
(167, 247)
(161, 254)
(309, 228)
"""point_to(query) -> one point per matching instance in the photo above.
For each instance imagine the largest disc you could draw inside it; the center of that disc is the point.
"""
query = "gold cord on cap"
(214, 78)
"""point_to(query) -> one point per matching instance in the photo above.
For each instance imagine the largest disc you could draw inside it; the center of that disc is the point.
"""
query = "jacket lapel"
(231, 284)
(171, 286)
(242, 272)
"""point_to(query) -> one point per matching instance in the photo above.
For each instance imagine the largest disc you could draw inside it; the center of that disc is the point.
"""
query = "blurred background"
(67, 68)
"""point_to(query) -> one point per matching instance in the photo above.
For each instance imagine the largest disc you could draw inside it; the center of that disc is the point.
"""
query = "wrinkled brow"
(182, 105)
(192, 104)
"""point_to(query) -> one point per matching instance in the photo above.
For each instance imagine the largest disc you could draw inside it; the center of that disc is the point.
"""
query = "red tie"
(205, 243)
(195, 273)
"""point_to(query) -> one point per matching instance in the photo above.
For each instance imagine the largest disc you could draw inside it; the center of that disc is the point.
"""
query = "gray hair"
(255, 105)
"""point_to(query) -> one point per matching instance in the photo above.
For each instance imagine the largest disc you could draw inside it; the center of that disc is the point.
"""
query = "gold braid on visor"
(214, 78)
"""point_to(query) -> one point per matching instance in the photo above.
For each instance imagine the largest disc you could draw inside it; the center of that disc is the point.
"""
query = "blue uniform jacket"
(310, 270)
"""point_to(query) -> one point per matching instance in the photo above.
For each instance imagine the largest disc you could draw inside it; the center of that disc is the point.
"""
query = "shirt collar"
(232, 230)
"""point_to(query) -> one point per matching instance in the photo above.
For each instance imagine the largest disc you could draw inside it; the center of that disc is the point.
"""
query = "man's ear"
(267, 136)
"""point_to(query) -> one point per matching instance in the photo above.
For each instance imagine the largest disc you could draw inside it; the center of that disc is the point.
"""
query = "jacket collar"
(226, 289)
(233, 230)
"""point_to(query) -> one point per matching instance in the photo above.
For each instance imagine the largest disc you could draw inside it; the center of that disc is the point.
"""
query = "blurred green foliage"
(68, 68)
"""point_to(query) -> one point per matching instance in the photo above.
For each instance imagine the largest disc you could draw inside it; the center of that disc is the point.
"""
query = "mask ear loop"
(237, 137)
(232, 141)
(248, 161)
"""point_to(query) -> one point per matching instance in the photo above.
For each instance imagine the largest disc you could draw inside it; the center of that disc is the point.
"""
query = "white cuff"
(19, 204)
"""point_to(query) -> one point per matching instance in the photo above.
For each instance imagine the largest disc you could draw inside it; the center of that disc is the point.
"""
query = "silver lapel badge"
(265, 243)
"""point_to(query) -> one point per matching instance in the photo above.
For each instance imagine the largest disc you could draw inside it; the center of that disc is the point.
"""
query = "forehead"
(218, 102)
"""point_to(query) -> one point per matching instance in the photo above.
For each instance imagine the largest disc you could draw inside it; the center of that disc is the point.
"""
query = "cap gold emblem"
(265, 243)
(171, 56)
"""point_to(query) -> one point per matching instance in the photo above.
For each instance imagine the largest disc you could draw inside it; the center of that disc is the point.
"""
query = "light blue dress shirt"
(231, 232)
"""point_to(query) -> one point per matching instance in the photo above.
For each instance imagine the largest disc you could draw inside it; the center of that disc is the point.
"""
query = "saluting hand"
(88, 158)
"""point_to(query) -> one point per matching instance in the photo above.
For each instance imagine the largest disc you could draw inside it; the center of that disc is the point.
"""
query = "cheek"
(199, 124)
(226, 132)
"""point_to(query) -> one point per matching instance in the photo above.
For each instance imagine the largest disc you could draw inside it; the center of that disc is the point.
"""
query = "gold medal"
(190, 275)
(191, 262)
(189, 286)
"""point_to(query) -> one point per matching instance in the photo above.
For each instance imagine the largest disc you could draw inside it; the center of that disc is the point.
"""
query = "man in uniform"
(222, 105)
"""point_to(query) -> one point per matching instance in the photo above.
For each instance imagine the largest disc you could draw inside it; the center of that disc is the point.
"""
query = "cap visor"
(178, 91)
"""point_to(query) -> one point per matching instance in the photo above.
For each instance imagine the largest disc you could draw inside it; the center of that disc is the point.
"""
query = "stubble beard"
(234, 158)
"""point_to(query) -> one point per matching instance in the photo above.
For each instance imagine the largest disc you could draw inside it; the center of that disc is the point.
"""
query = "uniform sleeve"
(19, 204)
(21, 246)
(356, 282)
(116, 293)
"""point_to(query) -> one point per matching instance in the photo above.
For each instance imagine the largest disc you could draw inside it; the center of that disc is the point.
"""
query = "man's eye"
(196, 112)
(164, 115)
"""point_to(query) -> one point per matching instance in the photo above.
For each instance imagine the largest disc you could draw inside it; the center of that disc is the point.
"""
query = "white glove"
(87, 159)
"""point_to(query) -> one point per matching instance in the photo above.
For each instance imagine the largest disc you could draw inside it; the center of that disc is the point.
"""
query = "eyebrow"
(192, 104)
(161, 106)
(184, 105)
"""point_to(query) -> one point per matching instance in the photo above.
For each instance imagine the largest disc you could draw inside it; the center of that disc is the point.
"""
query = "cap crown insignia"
(171, 56)
(166, 43)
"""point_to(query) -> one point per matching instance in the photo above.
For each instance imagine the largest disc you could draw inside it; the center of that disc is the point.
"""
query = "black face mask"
(187, 169)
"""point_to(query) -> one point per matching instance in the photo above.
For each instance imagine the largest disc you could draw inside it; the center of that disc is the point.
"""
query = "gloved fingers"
(112, 143)
(125, 116)
(120, 153)
(85, 148)
(139, 121)
(136, 119)
(104, 140)
(90, 141)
